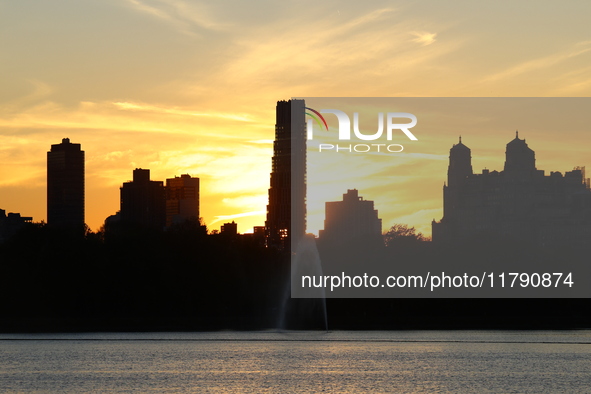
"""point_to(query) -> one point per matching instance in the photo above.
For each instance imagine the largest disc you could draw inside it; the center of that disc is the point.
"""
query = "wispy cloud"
(541, 63)
(126, 117)
(261, 142)
(188, 18)
(424, 38)
(176, 111)
(574, 82)
(286, 54)
(238, 215)
(41, 91)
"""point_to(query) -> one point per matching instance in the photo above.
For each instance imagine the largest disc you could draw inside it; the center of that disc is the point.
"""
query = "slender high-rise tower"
(286, 212)
(65, 186)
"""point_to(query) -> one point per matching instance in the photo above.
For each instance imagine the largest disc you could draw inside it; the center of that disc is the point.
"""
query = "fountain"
(303, 308)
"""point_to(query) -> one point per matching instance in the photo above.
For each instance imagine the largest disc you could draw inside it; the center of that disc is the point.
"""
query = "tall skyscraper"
(286, 212)
(65, 186)
(143, 201)
(182, 199)
(351, 219)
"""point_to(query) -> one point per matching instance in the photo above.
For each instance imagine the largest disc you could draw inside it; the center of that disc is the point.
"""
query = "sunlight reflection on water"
(419, 361)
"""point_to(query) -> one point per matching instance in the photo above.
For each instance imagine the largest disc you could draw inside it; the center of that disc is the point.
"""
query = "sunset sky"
(180, 86)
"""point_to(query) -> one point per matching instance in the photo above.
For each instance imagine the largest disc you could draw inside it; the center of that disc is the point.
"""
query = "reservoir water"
(290, 362)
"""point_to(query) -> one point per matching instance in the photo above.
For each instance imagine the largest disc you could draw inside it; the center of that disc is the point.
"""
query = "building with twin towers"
(520, 203)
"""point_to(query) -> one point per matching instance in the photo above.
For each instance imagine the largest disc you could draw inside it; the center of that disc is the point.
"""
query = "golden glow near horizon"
(190, 87)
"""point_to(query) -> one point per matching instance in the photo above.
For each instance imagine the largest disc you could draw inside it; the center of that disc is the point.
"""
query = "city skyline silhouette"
(145, 91)
(202, 196)
(402, 211)
(137, 276)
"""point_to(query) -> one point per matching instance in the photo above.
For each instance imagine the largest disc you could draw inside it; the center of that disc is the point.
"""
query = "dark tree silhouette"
(402, 235)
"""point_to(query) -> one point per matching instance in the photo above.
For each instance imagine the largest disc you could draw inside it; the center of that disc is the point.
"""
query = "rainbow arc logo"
(317, 117)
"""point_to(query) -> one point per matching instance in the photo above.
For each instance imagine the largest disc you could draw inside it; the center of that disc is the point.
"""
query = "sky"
(180, 86)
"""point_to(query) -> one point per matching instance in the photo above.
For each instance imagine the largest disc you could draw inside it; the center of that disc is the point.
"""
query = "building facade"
(519, 203)
(350, 219)
(11, 223)
(229, 228)
(143, 202)
(286, 212)
(65, 186)
(182, 199)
